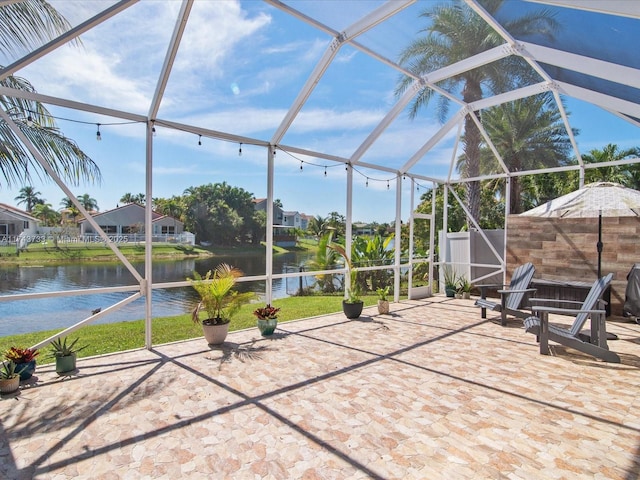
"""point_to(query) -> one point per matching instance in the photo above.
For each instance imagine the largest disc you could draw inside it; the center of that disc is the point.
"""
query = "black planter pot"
(450, 292)
(352, 310)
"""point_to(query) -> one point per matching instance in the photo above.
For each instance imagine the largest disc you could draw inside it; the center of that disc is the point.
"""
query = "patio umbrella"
(600, 199)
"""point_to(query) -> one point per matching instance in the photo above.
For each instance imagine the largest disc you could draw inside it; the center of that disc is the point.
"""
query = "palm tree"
(317, 226)
(29, 197)
(48, 215)
(456, 33)
(528, 133)
(68, 205)
(26, 25)
(325, 259)
(131, 198)
(90, 204)
(615, 173)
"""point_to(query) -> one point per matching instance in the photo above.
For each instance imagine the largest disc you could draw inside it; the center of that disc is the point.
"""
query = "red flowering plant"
(21, 355)
(266, 313)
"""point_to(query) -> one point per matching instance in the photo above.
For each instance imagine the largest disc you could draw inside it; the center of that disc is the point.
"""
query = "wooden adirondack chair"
(511, 297)
(592, 307)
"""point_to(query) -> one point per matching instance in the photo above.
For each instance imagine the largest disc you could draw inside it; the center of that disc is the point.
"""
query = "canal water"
(60, 312)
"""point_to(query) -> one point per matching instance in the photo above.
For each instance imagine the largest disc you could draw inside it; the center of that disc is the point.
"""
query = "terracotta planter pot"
(9, 385)
(215, 334)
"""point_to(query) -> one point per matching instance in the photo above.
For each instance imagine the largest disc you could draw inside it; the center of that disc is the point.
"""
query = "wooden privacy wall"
(565, 249)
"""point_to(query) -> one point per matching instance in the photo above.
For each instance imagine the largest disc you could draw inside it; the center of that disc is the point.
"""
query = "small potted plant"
(219, 300)
(383, 303)
(9, 378)
(25, 360)
(464, 287)
(65, 355)
(352, 305)
(450, 281)
(267, 319)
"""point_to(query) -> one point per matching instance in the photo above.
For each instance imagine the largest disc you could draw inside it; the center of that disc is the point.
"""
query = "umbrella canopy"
(599, 199)
(605, 198)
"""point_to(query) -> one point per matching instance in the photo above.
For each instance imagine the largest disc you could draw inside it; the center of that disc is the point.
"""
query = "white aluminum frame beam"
(357, 28)
(54, 176)
(172, 51)
(66, 37)
(602, 100)
(439, 135)
(579, 63)
(624, 8)
(386, 121)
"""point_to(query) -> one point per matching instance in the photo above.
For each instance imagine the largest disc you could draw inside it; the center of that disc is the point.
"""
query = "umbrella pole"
(599, 245)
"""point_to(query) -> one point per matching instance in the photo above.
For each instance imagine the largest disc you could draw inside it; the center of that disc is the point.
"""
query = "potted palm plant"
(352, 305)
(267, 319)
(450, 281)
(65, 355)
(9, 379)
(383, 303)
(25, 360)
(219, 300)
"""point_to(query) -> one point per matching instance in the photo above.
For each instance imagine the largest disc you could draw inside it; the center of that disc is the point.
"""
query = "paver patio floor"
(429, 391)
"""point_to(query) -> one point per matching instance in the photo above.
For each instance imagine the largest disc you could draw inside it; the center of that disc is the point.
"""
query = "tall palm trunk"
(472, 141)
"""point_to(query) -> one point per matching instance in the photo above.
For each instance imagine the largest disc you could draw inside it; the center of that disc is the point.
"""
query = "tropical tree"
(138, 198)
(29, 197)
(455, 33)
(26, 25)
(529, 134)
(325, 259)
(317, 226)
(613, 173)
(89, 203)
(336, 222)
(219, 213)
(370, 252)
(47, 214)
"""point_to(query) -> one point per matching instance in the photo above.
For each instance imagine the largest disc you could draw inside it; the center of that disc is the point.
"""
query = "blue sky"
(239, 69)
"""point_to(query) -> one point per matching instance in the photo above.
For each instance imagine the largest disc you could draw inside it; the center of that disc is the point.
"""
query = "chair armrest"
(564, 311)
(515, 290)
(553, 300)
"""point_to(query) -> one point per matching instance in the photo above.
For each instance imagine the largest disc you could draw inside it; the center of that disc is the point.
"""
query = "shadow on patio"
(429, 391)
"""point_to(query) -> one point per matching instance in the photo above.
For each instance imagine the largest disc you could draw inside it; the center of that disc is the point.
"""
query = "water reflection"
(61, 312)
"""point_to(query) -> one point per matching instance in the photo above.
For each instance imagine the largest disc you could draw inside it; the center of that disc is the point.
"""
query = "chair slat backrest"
(590, 303)
(520, 280)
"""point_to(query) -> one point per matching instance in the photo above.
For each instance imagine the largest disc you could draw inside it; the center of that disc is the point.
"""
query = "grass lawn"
(115, 337)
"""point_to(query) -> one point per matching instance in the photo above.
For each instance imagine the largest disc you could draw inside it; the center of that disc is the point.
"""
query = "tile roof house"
(14, 222)
(129, 219)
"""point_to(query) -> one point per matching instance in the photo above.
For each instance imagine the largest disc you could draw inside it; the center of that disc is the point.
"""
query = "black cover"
(632, 294)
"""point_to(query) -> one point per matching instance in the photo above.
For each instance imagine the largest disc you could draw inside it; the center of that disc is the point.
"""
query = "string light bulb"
(367, 182)
(325, 171)
(387, 184)
(98, 136)
(301, 162)
(153, 130)
(199, 139)
(29, 120)
(240, 150)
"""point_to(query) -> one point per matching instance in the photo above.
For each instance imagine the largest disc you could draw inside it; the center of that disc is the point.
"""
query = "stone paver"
(428, 391)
